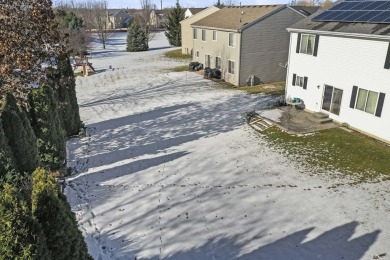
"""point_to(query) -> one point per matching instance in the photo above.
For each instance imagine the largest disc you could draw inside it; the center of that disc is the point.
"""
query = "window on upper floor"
(232, 40)
(204, 35)
(307, 44)
(214, 35)
(195, 33)
(197, 54)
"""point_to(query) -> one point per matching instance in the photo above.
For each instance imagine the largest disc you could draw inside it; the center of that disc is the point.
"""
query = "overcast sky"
(186, 3)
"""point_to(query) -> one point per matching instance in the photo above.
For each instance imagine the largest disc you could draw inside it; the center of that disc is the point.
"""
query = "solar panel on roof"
(362, 11)
(387, 20)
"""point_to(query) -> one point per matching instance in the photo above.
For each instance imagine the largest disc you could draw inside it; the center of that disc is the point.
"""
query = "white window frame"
(301, 43)
(195, 33)
(197, 54)
(366, 101)
(233, 40)
(299, 81)
(214, 35)
(220, 62)
(229, 68)
(204, 35)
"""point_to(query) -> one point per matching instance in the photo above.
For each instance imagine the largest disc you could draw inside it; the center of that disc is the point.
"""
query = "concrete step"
(322, 120)
(260, 123)
(320, 115)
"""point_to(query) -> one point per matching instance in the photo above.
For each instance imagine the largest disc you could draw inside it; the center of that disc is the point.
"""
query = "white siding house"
(342, 70)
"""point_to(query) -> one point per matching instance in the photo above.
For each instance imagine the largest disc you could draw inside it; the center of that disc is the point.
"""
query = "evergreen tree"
(50, 207)
(72, 27)
(20, 234)
(136, 38)
(7, 165)
(65, 84)
(173, 27)
(47, 126)
(20, 135)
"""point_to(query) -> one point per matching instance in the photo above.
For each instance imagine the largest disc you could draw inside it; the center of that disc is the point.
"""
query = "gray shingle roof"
(306, 10)
(234, 17)
(196, 10)
(343, 27)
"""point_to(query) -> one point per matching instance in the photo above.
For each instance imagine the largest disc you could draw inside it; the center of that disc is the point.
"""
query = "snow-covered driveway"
(170, 170)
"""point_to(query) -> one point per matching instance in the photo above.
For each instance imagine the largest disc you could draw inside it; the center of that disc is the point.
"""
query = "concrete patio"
(296, 121)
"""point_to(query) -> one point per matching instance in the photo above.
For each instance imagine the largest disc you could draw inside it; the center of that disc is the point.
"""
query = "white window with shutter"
(307, 44)
(367, 101)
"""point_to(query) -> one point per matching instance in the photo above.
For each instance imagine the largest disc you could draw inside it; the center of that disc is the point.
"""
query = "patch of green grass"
(351, 153)
(176, 54)
(180, 69)
(276, 88)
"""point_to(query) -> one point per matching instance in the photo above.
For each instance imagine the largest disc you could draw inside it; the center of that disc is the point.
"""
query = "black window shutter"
(316, 45)
(387, 62)
(298, 42)
(381, 100)
(305, 83)
(294, 78)
(353, 97)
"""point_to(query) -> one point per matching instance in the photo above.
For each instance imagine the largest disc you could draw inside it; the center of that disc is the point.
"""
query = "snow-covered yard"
(170, 170)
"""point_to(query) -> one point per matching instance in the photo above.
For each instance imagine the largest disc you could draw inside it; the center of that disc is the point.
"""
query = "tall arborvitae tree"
(173, 27)
(47, 126)
(21, 236)
(20, 135)
(64, 82)
(64, 239)
(137, 39)
(7, 163)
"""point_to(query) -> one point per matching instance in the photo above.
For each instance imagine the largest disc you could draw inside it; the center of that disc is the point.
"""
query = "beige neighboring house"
(192, 11)
(118, 18)
(159, 17)
(249, 44)
(186, 31)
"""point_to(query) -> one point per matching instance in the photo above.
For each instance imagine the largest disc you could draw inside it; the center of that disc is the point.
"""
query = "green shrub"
(59, 225)
(20, 234)
(67, 99)
(47, 126)
(20, 135)
(7, 165)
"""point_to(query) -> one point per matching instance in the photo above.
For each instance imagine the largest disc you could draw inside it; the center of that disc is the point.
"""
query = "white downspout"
(288, 68)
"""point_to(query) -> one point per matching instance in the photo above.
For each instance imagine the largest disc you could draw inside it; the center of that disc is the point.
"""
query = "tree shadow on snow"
(160, 48)
(162, 128)
(334, 244)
